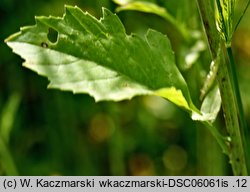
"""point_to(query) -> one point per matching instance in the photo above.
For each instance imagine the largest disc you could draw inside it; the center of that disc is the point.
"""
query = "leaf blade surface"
(98, 57)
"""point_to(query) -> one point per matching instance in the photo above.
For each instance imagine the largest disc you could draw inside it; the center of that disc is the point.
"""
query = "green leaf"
(97, 57)
(242, 15)
(122, 2)
(225, 18)
(146, 7)
(149, 7)
(8, 115)
(210, 106)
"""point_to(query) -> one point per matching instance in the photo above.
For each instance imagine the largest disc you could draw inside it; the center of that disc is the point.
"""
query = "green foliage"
(123, 67)
(149, 7)
(7, 117)
(225, 18)
(97, 57)
(82, 54)
(210, 106)
(227, 77)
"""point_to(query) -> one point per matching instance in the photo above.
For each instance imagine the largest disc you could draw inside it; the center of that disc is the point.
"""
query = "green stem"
(222, 141)
(208, 157)
(234, 79)
(6, 124)
(7, 160)
(243, 125)
(229, 104)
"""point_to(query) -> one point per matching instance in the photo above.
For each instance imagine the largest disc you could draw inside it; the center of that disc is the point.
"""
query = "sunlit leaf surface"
(98, 57)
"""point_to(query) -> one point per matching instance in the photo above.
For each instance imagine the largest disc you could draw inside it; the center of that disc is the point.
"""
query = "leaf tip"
(11, 38)
(7, 40)
(70, 7)
(106, 12)
(175, 96)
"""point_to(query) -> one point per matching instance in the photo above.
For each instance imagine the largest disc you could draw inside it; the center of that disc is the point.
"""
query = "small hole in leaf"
(52, 35)
(44, 45)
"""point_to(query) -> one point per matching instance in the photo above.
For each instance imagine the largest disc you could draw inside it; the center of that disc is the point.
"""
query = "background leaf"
(225, 17)
(210, 106)
(97, 57)
(58, 133)
(149, 7)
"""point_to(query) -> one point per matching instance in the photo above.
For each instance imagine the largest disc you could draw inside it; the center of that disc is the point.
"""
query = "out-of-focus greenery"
(48, 132)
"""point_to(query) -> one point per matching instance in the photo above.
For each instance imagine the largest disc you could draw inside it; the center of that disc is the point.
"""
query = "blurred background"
(49, 132)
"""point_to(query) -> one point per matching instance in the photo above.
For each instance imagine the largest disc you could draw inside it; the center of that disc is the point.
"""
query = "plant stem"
(243, 125)
(234, 79)
(229, 102)
(222, 141)
(7, 160)
(6, 124)
(208, 157)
